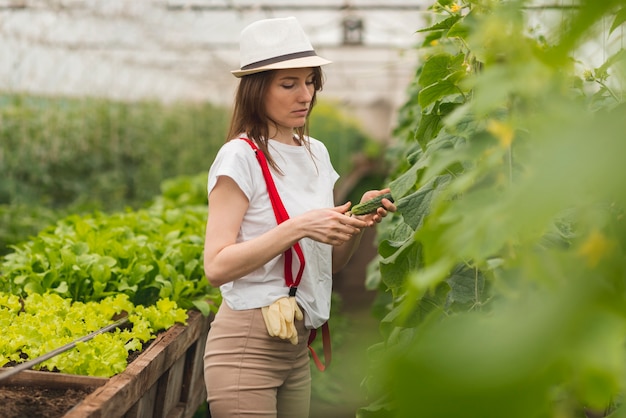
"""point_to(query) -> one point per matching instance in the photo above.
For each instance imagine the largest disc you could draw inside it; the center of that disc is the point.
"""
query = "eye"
(287, 86)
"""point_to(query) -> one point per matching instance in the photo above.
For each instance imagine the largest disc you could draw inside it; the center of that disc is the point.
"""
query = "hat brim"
(303, 62)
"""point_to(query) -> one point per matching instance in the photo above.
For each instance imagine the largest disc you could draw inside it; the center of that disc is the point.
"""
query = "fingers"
(280, 318)
(273, 319)
(386, 207)
(296, 309)
(389, 205)
(331, 225)
(343, 208)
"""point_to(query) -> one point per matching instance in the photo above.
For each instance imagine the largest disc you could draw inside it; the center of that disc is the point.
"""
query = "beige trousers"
(250, 374)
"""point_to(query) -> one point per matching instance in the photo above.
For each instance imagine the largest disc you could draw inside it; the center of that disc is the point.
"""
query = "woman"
(250, 369)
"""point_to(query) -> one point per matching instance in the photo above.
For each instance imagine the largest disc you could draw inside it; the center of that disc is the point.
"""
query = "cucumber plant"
(502, 277)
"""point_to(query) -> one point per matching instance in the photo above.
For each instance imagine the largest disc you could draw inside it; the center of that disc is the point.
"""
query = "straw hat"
(274, 44)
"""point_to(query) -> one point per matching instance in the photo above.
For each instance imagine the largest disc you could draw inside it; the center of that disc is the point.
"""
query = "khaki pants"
(250, 374)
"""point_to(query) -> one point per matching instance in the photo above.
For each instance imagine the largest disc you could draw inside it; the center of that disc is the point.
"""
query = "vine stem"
(613, 95)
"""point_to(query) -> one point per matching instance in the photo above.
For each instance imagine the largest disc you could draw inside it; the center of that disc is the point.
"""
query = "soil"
(31, 402)
(39, 402)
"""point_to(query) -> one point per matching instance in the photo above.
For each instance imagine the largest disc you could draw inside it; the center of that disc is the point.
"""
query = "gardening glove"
(297, 313)
(280, 318)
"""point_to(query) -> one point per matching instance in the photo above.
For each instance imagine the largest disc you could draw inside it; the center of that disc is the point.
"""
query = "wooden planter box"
(165, 381)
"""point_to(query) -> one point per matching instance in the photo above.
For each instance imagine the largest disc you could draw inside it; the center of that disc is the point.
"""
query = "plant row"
(41, 323)
(148, 254)
(503, 280)
(87, 153)
(78, 274)
(94, 153)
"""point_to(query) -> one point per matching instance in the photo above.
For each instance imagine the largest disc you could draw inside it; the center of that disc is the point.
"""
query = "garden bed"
(165, 380)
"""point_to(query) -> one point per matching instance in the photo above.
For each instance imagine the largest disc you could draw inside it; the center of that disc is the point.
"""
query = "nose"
(306, 93)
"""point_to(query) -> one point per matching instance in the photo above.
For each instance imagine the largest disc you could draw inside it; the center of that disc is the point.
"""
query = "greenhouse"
(489, 282)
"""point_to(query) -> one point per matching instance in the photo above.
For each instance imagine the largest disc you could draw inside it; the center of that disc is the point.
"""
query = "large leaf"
(400, 186)
(449, 86)
(415, 206)
(459, 30)
(428, 128)
(443, 25)
(619, 56)
(395, 268)
(620, 17)
(439, 67)
(467, 286)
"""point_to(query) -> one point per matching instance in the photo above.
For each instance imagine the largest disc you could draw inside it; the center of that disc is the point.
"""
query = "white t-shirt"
(307, 183)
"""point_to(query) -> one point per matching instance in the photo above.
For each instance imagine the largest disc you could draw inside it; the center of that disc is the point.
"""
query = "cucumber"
(369, 206)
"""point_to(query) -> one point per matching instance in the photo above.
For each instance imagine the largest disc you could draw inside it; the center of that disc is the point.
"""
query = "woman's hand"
(343, 251)
(331, 225)
(376, 217)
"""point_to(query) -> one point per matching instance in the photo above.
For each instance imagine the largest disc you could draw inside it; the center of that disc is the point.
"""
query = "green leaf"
(400, 186)
(204, 307)
(62, 288)
(430, 276)
(437, 91)
(395, 268)
(443, 25)
(428, 128)
(458, 30)
(438, 67)
(467, 287)
(432, 37)
(620, 18)
(612, 60)
(415, 207)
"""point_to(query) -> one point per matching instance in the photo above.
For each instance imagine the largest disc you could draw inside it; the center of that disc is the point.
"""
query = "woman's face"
(288, 100)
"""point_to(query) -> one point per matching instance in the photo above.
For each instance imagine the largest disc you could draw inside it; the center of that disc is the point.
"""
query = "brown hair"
(250, 116)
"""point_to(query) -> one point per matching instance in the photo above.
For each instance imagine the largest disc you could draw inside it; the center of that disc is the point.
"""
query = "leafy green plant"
(21, 222)
(87, 153)
(502, 280)
(148, 254)
(41, 323)
(93, 154)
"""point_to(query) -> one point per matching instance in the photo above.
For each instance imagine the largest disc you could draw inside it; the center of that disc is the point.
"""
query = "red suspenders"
(281, 215)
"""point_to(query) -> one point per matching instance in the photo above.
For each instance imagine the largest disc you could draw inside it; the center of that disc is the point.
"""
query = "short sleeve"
(236, 160)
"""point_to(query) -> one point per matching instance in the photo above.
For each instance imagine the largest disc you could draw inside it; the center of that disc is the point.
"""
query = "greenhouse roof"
(185, 49)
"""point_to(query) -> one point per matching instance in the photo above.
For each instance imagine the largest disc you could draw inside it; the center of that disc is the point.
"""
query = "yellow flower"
(434, 42)
(502, 131)
(594, 248)
(455, 8)
(588, 75)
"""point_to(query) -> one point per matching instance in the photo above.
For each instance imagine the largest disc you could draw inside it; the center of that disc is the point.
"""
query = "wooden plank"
(195, 400)
(122, 391)
(194, 389)
(178, 412)
(193, 365)
(144, 407)
(54, 380)
(170, 386)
